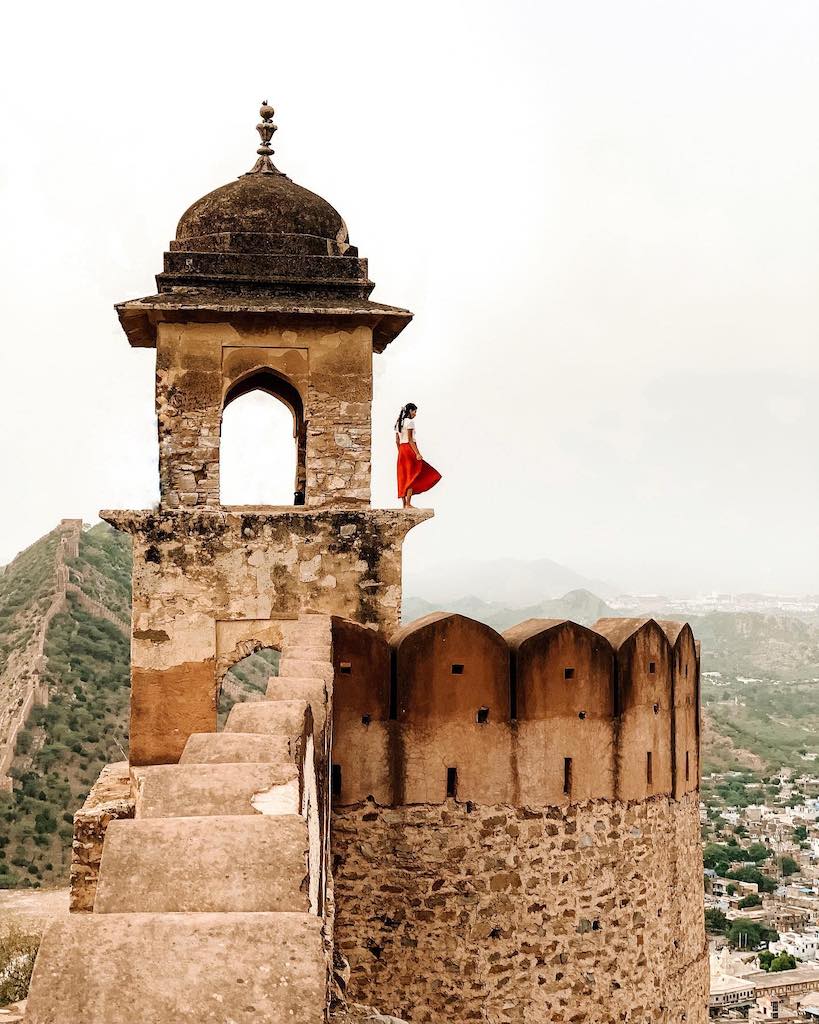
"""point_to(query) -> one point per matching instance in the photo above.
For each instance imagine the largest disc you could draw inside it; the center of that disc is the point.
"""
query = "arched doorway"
(263, 441)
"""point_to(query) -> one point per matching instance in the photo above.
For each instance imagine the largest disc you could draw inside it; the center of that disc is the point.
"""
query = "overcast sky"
(605, 217)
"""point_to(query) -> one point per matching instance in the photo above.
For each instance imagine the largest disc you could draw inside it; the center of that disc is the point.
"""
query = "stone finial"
(265, 128)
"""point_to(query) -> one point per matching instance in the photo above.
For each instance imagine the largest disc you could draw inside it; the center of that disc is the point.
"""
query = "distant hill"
(579, 605)
(508, 581)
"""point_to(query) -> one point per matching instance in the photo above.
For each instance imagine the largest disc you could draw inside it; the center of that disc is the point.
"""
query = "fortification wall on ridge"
(549, 713)
(26, 682)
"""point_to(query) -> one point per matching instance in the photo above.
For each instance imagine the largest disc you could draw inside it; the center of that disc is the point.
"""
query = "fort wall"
(515, 829)
(576, 915)
(25, 685)
(549, 713)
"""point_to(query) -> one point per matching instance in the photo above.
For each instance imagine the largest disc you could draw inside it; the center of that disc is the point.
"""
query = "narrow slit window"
(345, 668)
(652, 667)
(457, 670)
(393, 690)
(567, 776)
(452, 782)
(482, 716)
(686, 671)
(687, 767)
(568, 673)
(649, 768)
(365, 719)
(335, 780)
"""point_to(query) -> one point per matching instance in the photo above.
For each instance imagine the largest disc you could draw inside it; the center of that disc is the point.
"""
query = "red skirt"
(414, 472)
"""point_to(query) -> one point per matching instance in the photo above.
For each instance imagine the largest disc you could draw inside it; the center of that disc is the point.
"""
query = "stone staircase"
(209, 906)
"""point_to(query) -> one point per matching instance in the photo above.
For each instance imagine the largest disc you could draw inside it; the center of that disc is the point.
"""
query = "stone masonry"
(578, 915)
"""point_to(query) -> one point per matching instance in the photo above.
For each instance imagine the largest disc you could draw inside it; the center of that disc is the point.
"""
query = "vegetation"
(765, 883)
(18, 949)
(83, 727)
(715, 921)
(788, 866)
(752, 900)
(745, 934)
(778, 962)
(720, 856)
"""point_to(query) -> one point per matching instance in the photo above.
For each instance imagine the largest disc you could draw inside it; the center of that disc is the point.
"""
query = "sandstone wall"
(111, 797)
(587, 914)
(549, 713)
(211, 586)
(330, 371)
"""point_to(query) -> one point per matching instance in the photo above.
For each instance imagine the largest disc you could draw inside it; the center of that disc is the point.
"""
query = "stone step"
(308, 631)
(305, 667)
(302, 652)
(311, 690)
(203, 790)
(283, 718)
(235, 748)
(179, 969)
(204, 865)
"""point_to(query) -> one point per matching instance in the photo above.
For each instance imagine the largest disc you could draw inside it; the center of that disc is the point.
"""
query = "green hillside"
(85, 724)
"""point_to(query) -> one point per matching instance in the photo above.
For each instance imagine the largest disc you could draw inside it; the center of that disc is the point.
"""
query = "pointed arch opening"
(263, 443)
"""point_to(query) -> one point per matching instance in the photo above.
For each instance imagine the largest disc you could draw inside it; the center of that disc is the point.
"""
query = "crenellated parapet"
(548, 713)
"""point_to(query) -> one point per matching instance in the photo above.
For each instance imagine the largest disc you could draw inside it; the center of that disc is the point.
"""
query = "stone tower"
(438, 820)
(261, 289)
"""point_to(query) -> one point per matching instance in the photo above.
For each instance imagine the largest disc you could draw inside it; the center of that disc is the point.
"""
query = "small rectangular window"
(482, 716)
(652, 667)
(452, 782)
(568, 673)
(335, 780)
(649, 770)
(345, 668)
(687, 767)
(457, 670)
(567, 776)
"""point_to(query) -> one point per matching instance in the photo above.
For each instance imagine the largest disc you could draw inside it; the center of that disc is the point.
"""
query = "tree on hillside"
(753, 875)
(800, 833)
(745, 934)
(758, 852)
(783, 962)
(753, 900)
(715, 921)
(788, 866)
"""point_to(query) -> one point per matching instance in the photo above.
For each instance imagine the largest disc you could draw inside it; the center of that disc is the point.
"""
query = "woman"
(414, 475)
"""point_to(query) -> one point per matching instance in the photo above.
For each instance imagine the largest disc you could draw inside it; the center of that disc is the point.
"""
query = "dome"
(263, 233)
(271, 208)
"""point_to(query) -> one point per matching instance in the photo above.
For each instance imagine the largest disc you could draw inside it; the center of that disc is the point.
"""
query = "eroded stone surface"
(111, 798)
(585, 913)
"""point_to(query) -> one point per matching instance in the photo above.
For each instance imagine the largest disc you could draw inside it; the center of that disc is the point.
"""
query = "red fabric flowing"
(414, 472)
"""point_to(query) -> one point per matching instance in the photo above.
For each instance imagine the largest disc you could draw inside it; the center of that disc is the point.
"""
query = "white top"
(409, 425)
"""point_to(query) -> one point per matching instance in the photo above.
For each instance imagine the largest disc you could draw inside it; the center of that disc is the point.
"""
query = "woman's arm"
(397, 439)
(411, 436)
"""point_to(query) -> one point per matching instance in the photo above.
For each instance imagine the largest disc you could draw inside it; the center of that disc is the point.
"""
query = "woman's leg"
(408, 498)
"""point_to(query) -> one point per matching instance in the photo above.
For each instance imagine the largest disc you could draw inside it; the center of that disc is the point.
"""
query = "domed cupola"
(264, 234)
(262, 248)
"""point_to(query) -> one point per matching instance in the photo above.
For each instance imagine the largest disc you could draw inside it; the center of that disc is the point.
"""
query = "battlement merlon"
(210, 585)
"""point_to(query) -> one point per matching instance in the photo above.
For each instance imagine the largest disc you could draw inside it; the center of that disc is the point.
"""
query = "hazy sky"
(605, 217)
